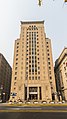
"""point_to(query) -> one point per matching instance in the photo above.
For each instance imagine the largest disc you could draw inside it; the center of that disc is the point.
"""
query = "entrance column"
(27, 93)
(38, 94)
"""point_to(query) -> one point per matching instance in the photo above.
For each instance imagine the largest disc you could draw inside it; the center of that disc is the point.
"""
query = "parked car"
(44, 102)
(63, 101)
(52, 102)
(35, 102)
(28, 102)
(59, 102)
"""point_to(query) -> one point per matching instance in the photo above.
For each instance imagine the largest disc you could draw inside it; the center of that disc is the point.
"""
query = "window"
(17, 46)
(47, 50)
(29, 70)
(15, 78)
(15, 73)
(16, 63)
(16, 54)
(49, 63)
(38, 62)
(47, 42)
(47, 46)
(49, 67)
(50, 72)
(14, 88)
(26, 67)
(29, 57)
(50, 77)
(38, 50)
(51, 87)
(29, 53)
(48, 58)
(15, 68)
(33, 78)
(26, 62)
(16, 50)
(38, 67)
(29, 65)
(16, 58)
(37, 46)
(66, 74)
(38, 72)
(38, 77)
(14, 83)
(64, 68)
(27, 50)
(17, 43)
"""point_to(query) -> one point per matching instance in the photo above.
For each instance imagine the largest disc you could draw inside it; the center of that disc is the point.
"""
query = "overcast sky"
(53, 12)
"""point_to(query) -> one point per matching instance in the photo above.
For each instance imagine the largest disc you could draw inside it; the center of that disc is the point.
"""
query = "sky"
(53, 12)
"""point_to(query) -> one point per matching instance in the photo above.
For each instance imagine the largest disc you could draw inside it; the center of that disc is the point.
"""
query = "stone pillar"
(56, 98)
(27, 93)
(38, 94)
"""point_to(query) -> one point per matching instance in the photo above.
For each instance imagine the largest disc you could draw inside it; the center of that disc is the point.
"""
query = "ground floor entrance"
(33, 93)
(33, 97)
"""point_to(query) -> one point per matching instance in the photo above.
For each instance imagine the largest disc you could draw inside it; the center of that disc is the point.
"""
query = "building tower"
(32, 65)
(5, 79)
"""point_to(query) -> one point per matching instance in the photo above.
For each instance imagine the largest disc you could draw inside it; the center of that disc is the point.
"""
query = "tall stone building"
(33, 73)
(61, 75)
(5, 79)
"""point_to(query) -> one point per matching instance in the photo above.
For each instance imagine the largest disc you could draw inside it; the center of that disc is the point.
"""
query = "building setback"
(5, 79)
(61, 75)
(33, 73)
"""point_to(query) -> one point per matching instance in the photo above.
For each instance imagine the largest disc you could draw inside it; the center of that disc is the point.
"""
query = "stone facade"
(33, 73)
(5, 79)
(61, 75)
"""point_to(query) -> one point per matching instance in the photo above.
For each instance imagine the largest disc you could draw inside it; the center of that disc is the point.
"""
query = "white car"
(20, 102)
(35, 102)
(44, 102)
(51, 102)
(60, 102)
(28, 102)
(10, 102)
(63, 101)
(0, 101)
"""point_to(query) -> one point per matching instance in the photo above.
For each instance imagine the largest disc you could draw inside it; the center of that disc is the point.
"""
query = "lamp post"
(4, 97)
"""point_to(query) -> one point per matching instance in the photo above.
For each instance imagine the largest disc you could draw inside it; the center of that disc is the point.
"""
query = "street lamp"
(4, 97)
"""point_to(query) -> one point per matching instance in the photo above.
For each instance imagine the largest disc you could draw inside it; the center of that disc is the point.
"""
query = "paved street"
(28, 108)
(51, 108)
(34, 112)
(33, 115)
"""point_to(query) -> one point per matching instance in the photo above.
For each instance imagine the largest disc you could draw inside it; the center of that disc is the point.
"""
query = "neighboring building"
(33, 72)
(61, 75)
(5, 79)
